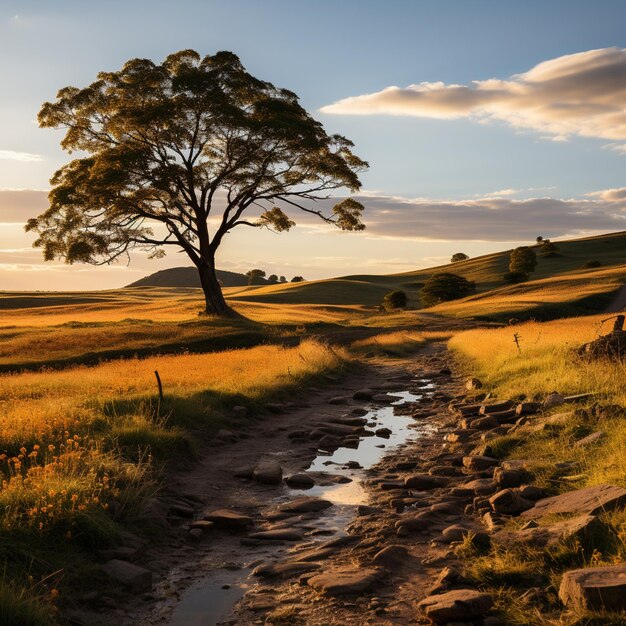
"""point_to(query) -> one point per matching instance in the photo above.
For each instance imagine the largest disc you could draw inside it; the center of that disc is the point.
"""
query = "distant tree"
(539, 239)
(395, 300)
(445, 286)
(523, 260)
(516, 277)
(297, 279)
(272, 279)
(163, 149)
(282, 279)
(255, 277)
(549, 249)
(459, 256)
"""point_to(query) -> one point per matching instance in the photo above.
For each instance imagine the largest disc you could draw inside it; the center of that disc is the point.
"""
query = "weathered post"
(618, 326)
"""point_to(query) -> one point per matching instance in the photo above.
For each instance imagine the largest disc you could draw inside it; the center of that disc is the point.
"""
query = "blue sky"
(326, 52)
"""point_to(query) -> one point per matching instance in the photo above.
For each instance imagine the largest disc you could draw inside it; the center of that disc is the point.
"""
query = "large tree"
(179, 154)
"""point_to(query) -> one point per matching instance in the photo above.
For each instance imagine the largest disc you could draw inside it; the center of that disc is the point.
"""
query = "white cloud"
(25, 157)
(577, 94)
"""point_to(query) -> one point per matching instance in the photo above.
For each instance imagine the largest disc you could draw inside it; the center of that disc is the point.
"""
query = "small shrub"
(549, 249)
(523, 259)
(459, 256)
(395, 300)
(592, 264)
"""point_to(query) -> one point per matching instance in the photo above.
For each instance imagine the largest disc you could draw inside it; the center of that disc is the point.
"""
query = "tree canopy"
(445, 286)
(180, 153)
(523, 260)
(395, 300)
(459, 256)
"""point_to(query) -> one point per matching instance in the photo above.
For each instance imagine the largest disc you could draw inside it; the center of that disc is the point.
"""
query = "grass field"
(73, 442)
(548, 362)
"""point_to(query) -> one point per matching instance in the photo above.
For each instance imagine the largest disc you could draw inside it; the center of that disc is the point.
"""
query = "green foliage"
(272, 279)
(159, 142)
(395, 300)
(256, 277)
(297, 279)
(549, 249)
(282, 279)
(459, 256)
(444, 287)
(523, 259)
(539, 239)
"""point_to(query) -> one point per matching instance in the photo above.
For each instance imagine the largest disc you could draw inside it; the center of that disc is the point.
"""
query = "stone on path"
(590, 500)
(580, 527)
(268, 471)
(278, 534)
(424, 482)
(305, 504)
(510, 478)
(456, 532)
(338, 400)
(595, 588)
(300, 481)
(228, 518)
(458, 605)
(509, 502)
(364, 394)
(527, 408)
(385, 398)
(473, 383)
(345, 580)
(390, 556)
(284, 569)
(128, 575)
(479, 463)
(552, 400)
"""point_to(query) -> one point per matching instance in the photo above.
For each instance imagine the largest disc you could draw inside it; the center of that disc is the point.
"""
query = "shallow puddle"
(208, 603)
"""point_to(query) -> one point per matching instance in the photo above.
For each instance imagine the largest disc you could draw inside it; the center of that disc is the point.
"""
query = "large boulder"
(459, 605)
(268, 471)
(590, 500)
(509, 502)
(595, 588)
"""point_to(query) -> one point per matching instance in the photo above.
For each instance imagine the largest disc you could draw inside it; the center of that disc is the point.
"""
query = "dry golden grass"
(537, 295)
(396, 343)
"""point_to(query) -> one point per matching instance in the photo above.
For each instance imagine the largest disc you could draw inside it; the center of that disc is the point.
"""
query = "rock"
(424, 482)
(458, 605)
(552, 400)
(240, 411)
(497, 407)
(460, 436)
(473, 383)
(226, 435)
(268, 471)
(509, 502)
(181, 510)
(345, 581)
(201, 524)
(358, 411)
(364, 394)
(580, 527)
(243, 472)
(416, 522)
(480, 486)
(591, 440)
(531, 492)
(455, 532)
(490, 521)
(385, 398)
(305, 504)
(527, 408)
(595, 588)
(509, 478)
(590, 500)
(275, 407)
(278, 534)
(228, 518)
(300, 481)
(329, 442)
(479, 463)
(385, 433)
(485, 423)
(443, 470)
(285, 569)
(390, 556)
(446, 578)
(195, 534)
(133, 577)
(338, 400)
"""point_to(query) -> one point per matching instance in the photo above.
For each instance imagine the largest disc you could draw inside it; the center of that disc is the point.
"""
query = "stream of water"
(210, 601)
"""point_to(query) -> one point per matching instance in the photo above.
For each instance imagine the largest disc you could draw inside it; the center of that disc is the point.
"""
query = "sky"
(485, 123)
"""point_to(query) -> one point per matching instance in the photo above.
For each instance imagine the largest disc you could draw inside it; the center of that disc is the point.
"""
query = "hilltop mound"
(188, 277)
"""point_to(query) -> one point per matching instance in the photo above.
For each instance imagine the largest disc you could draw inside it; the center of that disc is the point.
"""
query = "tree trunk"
(215, 304)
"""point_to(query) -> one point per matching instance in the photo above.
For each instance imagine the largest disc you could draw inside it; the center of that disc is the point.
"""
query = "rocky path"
(345, 509)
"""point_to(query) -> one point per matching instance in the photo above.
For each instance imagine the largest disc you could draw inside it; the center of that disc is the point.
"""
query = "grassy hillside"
(486, 271)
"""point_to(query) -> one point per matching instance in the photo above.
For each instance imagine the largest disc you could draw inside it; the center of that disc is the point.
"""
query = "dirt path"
(227, 575)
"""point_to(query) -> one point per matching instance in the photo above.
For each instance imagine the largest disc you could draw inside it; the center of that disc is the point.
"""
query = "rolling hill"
(188, 277)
